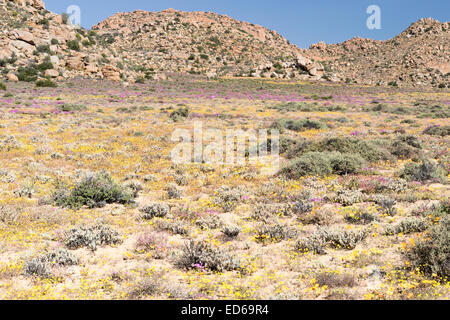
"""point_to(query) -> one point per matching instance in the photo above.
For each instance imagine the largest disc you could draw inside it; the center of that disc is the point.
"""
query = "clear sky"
(303, 22)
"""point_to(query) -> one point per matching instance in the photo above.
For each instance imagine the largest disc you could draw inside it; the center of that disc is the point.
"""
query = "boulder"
(22, 45)
(211, 76)
(5, 53)
(23, 36)
(91, 68)
(111, 73)
(52, 73)
(54, 60)
(12, 77)
(75, 63)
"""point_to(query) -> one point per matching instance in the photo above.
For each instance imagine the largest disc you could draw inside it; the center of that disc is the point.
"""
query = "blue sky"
(303, 22)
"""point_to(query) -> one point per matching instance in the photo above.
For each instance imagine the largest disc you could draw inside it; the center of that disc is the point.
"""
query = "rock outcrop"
(419, 56)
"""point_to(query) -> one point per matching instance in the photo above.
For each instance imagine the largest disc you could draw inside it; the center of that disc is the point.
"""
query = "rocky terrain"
(420, 55)
(204, 43)
(138, 46)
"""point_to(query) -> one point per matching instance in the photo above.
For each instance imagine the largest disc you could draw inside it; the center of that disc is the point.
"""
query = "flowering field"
(92, 206)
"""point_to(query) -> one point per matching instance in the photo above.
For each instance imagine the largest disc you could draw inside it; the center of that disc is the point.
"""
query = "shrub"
(228, 198)
(73, 45)
(179, 114)
(345, 239)
(46, 65)
(411, 140)
(173, 191)
(302, 207)
(202, 255)
(333, 279)
(231, 231)
(292, 147)
(69, 107)
(311, 163)
(95, 191)
(42, 266)
(174, 226)
(348, 197)
(45, 48)
(151, 241)
(386, 205)
(2, 86)
(9, 214)
(153, 210)
(314, 243)
(403, 150)
(46, 83)
(146, 287)
(298, 125)
(432, 255)
(360, 216)
(91, 237)
(437, 130)
(408, 225)
(353, 146)
(27, 74)
(209, 222)
(424, 171)
(343, 164)
(272, 233)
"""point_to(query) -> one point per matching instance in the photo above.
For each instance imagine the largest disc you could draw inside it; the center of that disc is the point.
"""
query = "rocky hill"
(203, 43)
(420, 55)
(36, 43)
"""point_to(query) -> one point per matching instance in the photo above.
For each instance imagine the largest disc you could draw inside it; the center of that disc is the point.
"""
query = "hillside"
(420, 55)
(201, 43)
(142, 45)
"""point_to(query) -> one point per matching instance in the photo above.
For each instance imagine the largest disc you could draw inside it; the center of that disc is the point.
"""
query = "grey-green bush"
(432, 255)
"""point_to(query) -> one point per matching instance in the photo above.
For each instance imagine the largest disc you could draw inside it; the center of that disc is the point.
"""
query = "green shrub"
(179, 114)
(424, 171)
(437, 131)
(69, 107)
(298, 125)
(322, 164)
(311, 163)
(28, 74)
(292, 147)
(2, 86)
(367, 150)
(346, 163)
(94, 191)
(45, 48)
(46, 83)
(360, 216)
(432, 255)
(73, 45)
(46, 65)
